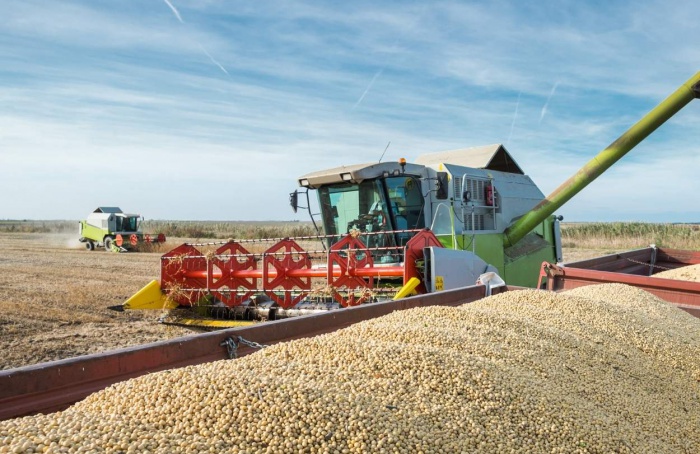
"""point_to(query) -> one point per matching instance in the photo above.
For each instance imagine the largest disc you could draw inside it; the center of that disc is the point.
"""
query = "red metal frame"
(293, 258)
(183, 273)
(414, 253)
(231, 274)
(344, 254)
(225, 270)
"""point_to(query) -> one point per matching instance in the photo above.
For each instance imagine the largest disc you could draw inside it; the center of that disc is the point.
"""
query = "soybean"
(607, 368)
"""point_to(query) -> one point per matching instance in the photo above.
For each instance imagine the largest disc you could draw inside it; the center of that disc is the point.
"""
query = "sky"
(211, 109)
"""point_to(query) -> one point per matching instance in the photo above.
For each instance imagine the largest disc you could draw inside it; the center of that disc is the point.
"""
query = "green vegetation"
(630, 235)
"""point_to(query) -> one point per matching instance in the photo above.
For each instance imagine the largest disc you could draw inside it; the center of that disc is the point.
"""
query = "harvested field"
(54, 297)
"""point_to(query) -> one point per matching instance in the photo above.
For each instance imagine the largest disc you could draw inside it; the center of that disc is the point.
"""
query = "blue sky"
(210, 110)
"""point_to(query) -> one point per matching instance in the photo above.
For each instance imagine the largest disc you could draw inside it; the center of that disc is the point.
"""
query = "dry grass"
(630, 235)
(55, 298)
(231, 229)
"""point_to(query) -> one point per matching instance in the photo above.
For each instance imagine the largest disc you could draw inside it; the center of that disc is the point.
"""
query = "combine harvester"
(116, 231)
(433, 227)
(393, 229)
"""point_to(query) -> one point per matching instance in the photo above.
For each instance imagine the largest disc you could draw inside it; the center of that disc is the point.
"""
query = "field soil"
(55, 298)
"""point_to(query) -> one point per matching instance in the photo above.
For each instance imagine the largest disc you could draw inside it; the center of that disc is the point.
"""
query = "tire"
(89, 245)
(108, 243)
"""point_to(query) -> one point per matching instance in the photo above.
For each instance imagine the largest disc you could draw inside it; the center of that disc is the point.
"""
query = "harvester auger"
(446, 221)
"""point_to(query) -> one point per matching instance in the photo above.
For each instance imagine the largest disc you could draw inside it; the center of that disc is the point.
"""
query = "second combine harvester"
(436, 224)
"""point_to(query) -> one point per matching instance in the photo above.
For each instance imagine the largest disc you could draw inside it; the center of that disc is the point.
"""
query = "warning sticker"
(438, 283)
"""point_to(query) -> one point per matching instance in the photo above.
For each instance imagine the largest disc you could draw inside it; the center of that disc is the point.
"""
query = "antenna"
(387, 147)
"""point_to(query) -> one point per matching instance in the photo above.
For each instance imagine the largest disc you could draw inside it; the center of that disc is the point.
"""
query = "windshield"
(364, 208)
(127, 224)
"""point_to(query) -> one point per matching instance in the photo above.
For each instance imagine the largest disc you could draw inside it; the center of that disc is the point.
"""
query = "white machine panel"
(449, 269)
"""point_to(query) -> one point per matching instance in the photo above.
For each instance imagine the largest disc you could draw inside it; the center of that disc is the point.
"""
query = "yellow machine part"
(207, 323)
(408, 289)
(150, 297)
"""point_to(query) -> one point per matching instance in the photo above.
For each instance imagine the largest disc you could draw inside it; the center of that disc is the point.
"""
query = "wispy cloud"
(369, 87)
(174, 10)
(213, 60)
(179, 17)
(543, 112)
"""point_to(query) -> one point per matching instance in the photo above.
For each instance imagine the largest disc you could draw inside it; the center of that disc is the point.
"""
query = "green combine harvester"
(475, 200)
(445, 221)
(116, 231)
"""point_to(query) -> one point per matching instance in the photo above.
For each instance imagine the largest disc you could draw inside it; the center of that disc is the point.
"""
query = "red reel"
(183, 274)
(227, 273)
(278, 261)
(349, 254)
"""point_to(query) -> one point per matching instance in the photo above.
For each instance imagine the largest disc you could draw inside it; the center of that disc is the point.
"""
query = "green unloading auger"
(606, 158)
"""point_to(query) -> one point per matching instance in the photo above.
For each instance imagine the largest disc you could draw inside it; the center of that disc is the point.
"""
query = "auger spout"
(606, 158)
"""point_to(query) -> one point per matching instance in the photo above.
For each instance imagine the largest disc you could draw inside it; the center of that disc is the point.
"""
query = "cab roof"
(356, 173)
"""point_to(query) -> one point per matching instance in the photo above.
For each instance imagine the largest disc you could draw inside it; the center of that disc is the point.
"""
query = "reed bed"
(630, 235)
(231, 229)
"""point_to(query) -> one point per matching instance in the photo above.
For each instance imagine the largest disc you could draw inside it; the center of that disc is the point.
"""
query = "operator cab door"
(406, 205)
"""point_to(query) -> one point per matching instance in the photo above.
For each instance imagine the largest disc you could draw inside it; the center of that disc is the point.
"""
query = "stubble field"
(55, 296)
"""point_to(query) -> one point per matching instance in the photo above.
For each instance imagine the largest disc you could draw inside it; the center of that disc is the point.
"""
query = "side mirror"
(294, 200)
(442, 182)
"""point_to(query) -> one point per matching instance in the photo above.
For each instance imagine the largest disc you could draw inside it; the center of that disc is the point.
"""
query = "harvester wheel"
(89, 245)
(108, 243)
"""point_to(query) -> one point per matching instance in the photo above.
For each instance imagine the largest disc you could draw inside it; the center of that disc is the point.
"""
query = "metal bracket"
(547, 271)
(231, 347)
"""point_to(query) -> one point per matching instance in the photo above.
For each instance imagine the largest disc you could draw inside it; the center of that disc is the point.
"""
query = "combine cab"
(116, 231)
(467, 198)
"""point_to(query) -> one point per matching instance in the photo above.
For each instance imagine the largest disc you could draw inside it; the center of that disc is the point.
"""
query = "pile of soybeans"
(684, 273)
(605, 368)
